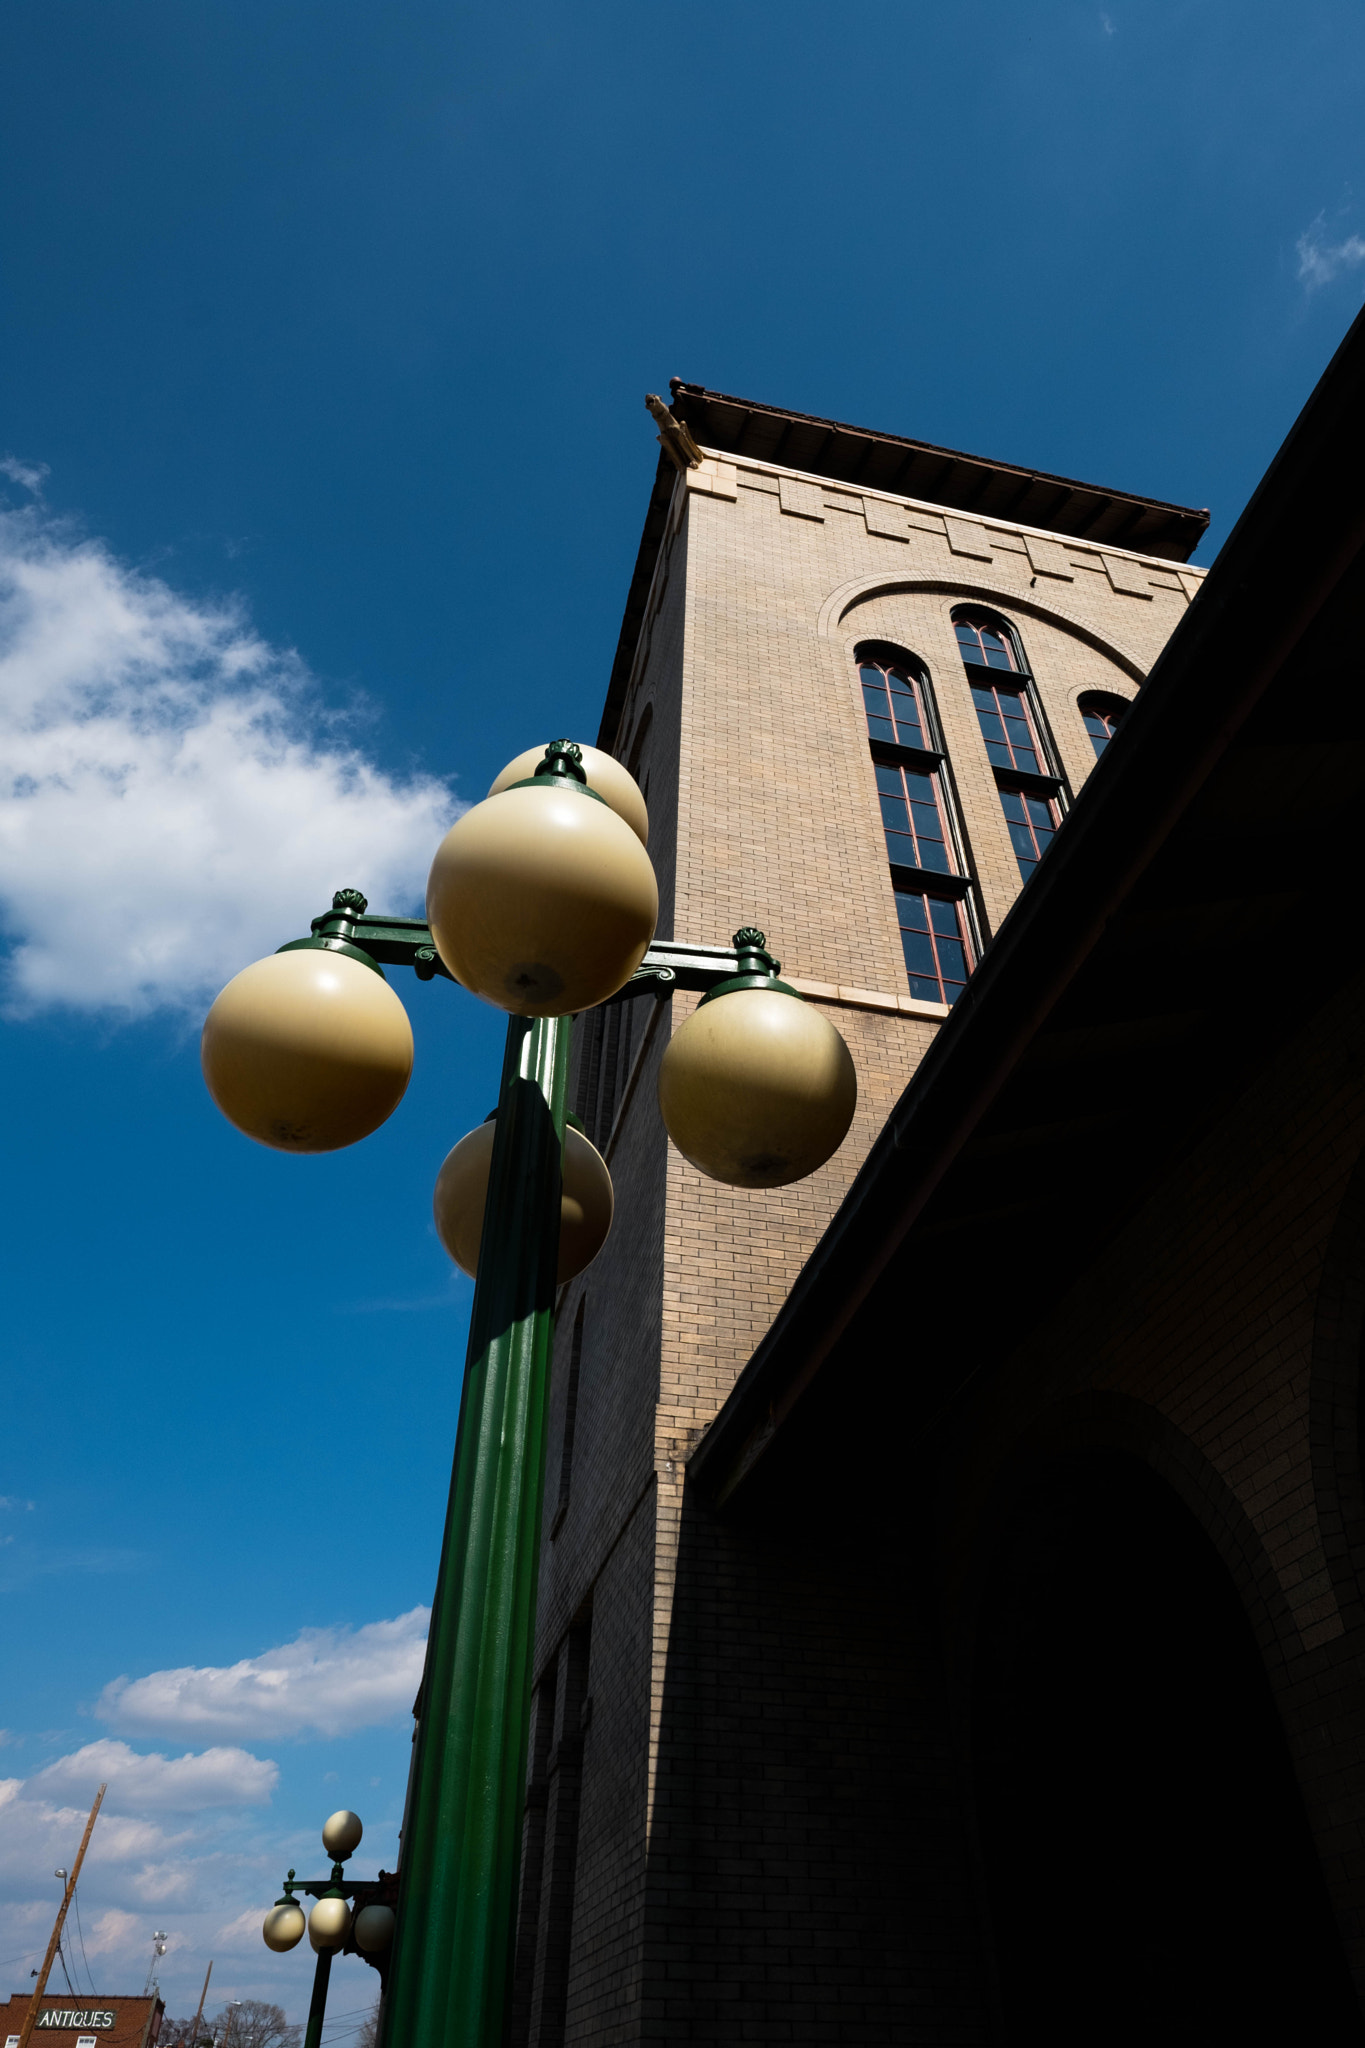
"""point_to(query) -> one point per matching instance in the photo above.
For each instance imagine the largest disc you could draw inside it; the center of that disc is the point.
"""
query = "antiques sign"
(81, 2016)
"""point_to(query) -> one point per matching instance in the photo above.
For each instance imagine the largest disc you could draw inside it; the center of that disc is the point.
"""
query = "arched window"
(924, 844)
(985, 640)
(1102, 715)
(1011, 721)
(893, 697)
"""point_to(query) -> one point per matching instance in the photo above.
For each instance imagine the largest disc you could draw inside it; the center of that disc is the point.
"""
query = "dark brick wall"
(807, 1872)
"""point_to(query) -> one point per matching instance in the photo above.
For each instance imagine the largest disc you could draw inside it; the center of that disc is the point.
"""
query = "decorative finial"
(351, 899)
(563, 757)
(749, 943)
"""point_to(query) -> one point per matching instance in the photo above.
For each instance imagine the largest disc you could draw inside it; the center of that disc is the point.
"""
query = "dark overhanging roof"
(903, 468)
(1131, 996)
(937, 476)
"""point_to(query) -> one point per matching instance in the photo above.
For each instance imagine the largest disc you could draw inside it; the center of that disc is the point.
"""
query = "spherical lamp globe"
(542, 900)
(341, 1834)
(284, 1926)
(329, 1923)
(307, 1051)
(374, 1927)
(757, 1088)
(613, 783)
(585, 1208)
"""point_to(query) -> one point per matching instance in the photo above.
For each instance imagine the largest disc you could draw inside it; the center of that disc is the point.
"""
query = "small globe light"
(614, 784)
(757, 1088)
(542, 900)
(329, 1923)
(284, 1926)
(307, 1051)
(585, 1208)
(374, 1927)
(341, 1834)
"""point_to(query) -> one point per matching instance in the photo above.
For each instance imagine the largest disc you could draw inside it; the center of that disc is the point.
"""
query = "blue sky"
(326, 332)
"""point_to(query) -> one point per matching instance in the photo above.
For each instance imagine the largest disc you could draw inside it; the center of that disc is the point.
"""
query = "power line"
(80, 1936)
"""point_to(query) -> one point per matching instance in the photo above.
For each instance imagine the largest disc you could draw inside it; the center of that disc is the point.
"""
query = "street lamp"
(542, 900)
(333, 1925)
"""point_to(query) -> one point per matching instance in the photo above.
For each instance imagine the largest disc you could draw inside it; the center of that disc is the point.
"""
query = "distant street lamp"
(541, 900)
(334, 1925)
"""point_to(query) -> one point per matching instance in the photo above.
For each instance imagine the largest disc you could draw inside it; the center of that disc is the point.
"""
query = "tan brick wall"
(763, 810)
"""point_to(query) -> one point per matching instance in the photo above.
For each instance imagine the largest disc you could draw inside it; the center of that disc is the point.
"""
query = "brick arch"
(834, 611)
(1100, 1421)
(1017, 1743)
(1336, 1411)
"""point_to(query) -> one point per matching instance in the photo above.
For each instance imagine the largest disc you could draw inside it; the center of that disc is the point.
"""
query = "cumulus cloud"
(1320, 260)
(170, 1784)
(326, 1682)
(38, 1833)
(173, 800)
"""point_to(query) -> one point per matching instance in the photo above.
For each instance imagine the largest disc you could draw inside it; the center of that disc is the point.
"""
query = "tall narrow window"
(1102, 715)
(924, 843)
(912, 815)
(1006, 728)
(1032, 822)
(934, 941)
(570, 1419)
(1017, 744)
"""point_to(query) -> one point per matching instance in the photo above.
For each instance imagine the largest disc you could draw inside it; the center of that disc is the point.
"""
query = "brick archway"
(1144, 1848)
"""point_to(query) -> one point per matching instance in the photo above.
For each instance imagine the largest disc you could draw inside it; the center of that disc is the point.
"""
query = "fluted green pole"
(451, 1968)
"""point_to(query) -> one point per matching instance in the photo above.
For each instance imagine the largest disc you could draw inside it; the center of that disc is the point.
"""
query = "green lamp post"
(541, 900)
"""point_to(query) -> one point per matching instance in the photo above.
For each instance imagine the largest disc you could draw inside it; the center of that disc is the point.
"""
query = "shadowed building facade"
(949, 1623)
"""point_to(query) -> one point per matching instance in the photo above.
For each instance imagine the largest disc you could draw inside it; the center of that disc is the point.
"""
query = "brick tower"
(861, 681)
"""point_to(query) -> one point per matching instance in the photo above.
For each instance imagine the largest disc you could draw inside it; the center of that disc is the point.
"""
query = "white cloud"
(326, 1682)
(170, 1784)
(173, 802)
(30, 476)
(1320, 260)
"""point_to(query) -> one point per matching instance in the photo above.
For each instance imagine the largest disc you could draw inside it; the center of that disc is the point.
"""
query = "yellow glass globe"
(542, 901)
(307, 1051)
(585, 1208)
(329, 1923)
(374, 1927)
(284, 1927)
(341, 1834)
(757, 1088)
(614, 784)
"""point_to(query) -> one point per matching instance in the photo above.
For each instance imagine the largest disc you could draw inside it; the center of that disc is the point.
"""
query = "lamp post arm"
(349, 927)
(381, 1890)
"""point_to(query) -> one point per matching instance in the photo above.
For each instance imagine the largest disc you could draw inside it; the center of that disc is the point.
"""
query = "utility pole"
(41, 1986)
(194, 2038)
